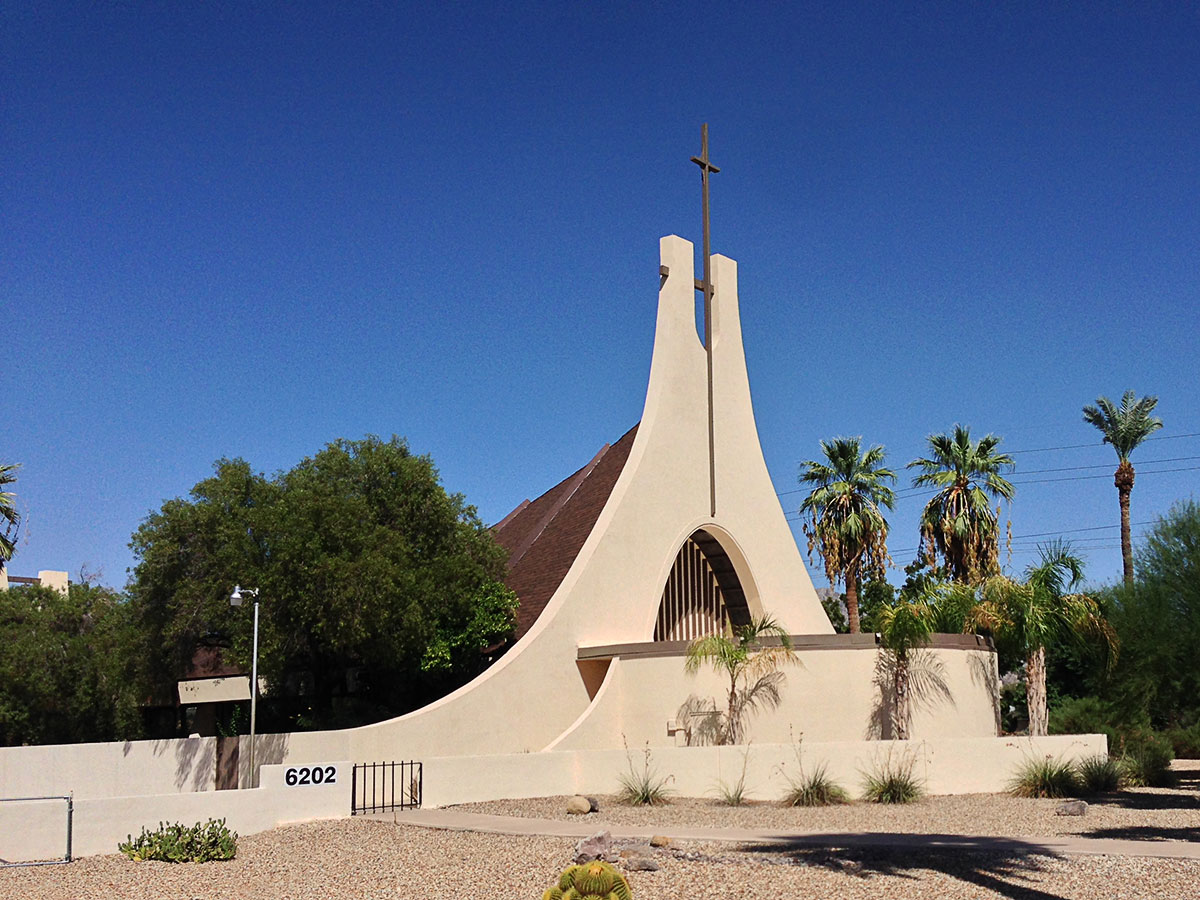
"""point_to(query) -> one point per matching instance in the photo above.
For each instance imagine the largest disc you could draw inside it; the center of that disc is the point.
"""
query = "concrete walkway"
(458, 820)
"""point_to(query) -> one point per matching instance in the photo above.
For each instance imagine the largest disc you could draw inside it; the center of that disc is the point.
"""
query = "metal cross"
(705, 285)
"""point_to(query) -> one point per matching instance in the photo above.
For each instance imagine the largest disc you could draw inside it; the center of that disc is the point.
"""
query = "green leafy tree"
(1124, 427)
(844, 522)
(904, 627)
(68, 666)
(363, 561)
(958, 524)
(752, 667)
(1033, 614)
(10, 519)
(1156, 680)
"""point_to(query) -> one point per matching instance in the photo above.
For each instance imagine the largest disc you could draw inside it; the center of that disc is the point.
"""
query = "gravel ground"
(351, 859)
(356, 858)
(1134, 814)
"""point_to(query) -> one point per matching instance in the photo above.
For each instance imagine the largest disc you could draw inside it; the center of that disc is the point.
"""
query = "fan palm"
(752, 669)
(10, 519)
(1124, 428)
(958, 523)
(1033, 613)
(844, 519)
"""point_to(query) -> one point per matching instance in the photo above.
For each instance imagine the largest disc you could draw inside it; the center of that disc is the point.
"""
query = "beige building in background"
(46, 578)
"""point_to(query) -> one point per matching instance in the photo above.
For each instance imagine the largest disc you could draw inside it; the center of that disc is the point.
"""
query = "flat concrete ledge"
(800, 642)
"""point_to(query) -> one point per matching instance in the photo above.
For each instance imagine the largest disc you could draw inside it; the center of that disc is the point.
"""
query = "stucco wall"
(827, 696)
(112, 769)
(945, 765)
(32, 831)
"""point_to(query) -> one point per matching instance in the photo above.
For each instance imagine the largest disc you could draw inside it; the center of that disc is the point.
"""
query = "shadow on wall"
(984, 675)
(927, 689)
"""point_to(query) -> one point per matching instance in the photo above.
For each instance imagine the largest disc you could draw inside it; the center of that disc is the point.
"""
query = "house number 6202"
(310, 775)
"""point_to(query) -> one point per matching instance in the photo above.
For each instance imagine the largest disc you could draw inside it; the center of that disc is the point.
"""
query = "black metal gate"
(377, 787)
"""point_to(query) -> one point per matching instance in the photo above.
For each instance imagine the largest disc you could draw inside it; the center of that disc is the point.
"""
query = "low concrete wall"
(945, 766)
(116, 769)
(37, 830)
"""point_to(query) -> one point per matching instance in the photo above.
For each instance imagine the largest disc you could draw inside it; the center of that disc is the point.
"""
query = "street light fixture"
(235, 599)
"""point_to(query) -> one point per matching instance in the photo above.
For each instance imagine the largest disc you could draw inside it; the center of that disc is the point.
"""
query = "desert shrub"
(1099, 774)
(815, 789)
(892, 781)
(1184, 741)
(176, 843)
(734, 794)
(592, 879)
(1044, 777)
(1146, 759)
(643, 786)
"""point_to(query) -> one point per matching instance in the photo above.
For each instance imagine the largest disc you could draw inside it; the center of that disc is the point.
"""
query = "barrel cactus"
(590, 880)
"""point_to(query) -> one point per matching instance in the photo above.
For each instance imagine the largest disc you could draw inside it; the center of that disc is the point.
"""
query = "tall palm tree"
(958, 523)
(751, 666)
(1033, 613)
(1124, 428)
(844, 520)
(10, 519)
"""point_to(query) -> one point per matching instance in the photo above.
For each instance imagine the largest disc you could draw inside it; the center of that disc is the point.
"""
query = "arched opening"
(702, 595)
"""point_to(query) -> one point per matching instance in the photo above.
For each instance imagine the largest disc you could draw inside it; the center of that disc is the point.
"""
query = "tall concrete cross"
(705, 285)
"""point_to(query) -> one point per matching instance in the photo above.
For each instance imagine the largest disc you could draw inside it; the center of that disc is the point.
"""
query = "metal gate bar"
(373, 786)
(70, 798)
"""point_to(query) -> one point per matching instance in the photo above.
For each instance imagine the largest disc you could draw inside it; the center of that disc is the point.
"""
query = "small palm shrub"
(202, 842)
(1146, 761)
(815, 789)
(1045, 777)
(593, 879)
(1099, 774)
(892, 781)
(644, 786)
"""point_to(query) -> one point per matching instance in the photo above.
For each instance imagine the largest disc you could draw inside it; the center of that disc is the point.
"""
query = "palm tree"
(1124, 428)
(958, 522)
(903, 627)
(845, 523)
(9, 517)
(752, 668)
(1034, 613)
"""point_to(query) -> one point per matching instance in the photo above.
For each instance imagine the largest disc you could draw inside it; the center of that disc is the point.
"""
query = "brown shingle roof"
(544, 536)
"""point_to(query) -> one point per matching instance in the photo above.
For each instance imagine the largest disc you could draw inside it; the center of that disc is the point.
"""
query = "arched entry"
(702, 595)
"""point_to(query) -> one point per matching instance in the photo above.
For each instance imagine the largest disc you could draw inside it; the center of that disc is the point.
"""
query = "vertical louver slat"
(692, 605)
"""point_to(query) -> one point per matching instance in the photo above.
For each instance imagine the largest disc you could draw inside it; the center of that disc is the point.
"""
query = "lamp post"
(235, 599)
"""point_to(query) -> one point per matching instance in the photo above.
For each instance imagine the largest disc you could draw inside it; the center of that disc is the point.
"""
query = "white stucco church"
(671, 532)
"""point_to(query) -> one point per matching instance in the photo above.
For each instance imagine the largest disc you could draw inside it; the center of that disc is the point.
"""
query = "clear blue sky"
(247, 229)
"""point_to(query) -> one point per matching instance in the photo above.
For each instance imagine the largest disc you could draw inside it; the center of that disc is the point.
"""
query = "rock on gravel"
(578, 806)
(1072, 808)
(598, 846)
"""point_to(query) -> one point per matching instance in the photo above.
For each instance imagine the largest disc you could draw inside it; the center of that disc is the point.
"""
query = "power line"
(1166, 437)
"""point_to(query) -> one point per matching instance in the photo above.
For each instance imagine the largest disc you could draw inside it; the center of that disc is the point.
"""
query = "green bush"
(1099, 774)
(202, 842)
(817, 789)
(1084, 715)
(594, 880)
(1185, 741)
(892, 781)
(1045, 777)
(1146, 759)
